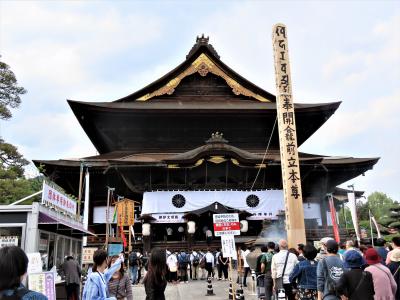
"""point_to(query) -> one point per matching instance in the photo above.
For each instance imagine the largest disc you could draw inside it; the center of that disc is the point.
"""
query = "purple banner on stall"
(50, 285)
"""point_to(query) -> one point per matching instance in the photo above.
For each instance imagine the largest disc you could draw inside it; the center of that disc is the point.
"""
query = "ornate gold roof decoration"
(203, 65)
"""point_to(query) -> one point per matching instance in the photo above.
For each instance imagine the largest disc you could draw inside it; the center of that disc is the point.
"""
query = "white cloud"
(56, 45)
(68, 49)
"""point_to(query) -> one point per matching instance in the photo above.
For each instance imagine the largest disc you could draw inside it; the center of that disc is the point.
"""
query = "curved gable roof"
(202, 59)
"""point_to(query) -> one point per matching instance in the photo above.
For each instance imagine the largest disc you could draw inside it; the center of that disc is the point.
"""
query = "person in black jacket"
(355, 283)
(155, 281)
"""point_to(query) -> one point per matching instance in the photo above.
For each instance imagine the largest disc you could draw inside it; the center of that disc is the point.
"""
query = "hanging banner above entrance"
(261, 205)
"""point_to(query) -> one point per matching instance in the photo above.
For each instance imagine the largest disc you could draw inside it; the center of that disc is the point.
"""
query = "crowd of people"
(335, 271)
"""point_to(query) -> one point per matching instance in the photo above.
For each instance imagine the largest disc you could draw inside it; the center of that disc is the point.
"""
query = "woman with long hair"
(96, 284)
(155, 281)
(13, 269)
(119, 285)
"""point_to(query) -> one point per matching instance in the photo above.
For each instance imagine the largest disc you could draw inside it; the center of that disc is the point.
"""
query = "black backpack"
(17, 295)
(133, 259)
(196, 260)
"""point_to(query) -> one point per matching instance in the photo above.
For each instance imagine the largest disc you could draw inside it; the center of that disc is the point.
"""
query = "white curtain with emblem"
(269, 204)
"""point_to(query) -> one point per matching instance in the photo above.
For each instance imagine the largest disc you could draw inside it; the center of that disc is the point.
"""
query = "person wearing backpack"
(13, 270)
(266, 261)
(183, 261)
(195, 262)
(133, 266)
(355, 283)
(329, 271)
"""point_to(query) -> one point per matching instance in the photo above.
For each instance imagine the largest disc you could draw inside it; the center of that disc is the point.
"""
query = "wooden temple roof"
(163, 126)
(177, 111)
(202, 59)
(213, 153)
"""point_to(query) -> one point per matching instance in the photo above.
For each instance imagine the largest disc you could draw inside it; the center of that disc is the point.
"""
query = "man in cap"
(322, 251)
(329, 270)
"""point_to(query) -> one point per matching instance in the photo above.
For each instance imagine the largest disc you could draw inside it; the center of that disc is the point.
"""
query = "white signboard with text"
(8, 241)
(226, 224)
(228, 247)
(168, 218)
(55, 198)
(35, 262)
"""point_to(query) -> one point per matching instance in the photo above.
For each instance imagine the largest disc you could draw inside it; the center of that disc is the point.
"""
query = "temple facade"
(199, 140)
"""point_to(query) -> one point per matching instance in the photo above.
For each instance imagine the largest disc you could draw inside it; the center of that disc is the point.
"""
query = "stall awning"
(76, 227)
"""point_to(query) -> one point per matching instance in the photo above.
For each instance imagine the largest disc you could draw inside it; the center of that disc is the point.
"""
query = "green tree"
(11, 161)
(13, 184)
(9, 91)
(395, 216)
(12, 190)
(379, 204)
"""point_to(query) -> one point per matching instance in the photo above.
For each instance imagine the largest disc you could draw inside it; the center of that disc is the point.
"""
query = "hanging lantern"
(244, 226)
(191, 225)
(146, 229)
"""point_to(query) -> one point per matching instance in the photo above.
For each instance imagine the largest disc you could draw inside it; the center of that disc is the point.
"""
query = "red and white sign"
(226, 224)
(53, 197)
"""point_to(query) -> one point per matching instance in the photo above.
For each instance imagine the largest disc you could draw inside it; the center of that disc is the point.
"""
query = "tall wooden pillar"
(288, 139)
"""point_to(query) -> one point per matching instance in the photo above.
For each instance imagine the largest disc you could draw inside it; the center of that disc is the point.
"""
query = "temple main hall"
(200, 140)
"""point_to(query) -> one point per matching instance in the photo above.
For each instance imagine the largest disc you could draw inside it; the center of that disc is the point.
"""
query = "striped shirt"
(96, 284)
(120, 288)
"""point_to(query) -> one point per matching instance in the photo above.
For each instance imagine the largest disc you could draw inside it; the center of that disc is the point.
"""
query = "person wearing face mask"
(13, 267)
(119, 284)
(96, 284)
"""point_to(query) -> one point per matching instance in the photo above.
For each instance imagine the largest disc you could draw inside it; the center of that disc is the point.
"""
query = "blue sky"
(345, 51)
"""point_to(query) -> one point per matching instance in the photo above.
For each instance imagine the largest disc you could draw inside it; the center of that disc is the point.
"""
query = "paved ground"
(195, 290)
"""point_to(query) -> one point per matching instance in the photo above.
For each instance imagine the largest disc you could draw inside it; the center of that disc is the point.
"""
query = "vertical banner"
(288, 139)
(86, 206)
(353, 211)
(334, 219)
(123, 236)
(125, 212)
(376, 226)
(133, 232)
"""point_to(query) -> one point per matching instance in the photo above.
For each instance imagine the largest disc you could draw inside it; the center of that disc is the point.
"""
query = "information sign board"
(226, 224)
(228, 246)
(44, 283)
(8, 241)
(87, 255)
(125, 212)
(115, 249)
(35, 263)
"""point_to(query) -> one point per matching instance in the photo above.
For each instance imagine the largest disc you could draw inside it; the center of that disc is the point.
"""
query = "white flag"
(353, 211)
(133, 233)
(376, 226)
